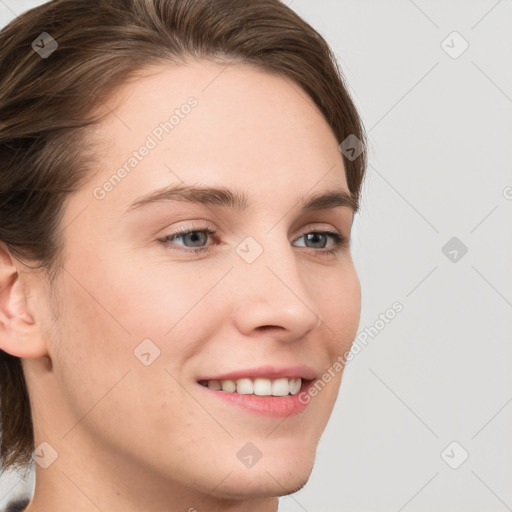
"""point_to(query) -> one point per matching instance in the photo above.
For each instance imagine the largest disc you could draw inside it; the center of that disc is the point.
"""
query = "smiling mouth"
(257, 386)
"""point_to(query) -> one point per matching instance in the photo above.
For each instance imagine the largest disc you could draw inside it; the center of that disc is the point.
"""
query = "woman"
(178, 183)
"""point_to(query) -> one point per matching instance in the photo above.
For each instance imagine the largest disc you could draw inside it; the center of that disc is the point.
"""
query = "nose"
(272, 294)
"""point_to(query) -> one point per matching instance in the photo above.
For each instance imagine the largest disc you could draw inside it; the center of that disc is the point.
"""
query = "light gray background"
(440, 132)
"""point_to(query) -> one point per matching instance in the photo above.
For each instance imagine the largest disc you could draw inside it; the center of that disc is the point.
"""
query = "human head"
(55, 113)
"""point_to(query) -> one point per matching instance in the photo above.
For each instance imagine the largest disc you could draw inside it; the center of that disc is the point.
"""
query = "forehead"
(248, 129)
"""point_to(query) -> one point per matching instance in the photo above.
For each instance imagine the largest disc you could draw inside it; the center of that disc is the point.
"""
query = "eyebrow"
(238, 201)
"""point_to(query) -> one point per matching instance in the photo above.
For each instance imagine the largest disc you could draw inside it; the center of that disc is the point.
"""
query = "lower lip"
(274, 406)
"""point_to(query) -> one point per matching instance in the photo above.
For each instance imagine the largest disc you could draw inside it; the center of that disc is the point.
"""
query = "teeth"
(295, 386)
(258, 386)
(280, 387)
(244, 386)
(215, 384)
(228, 386)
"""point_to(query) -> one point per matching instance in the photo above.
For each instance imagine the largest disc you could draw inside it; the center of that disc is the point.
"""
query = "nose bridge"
(271, 290)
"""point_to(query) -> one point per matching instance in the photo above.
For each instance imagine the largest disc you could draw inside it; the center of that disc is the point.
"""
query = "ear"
(20, 335)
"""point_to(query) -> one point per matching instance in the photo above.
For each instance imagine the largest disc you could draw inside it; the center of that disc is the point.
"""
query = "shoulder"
(17, 506)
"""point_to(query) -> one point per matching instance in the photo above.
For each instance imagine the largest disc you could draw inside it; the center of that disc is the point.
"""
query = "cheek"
(103, 382)
(340, 306)
(159, 297)
(113, 315)
(339, 302)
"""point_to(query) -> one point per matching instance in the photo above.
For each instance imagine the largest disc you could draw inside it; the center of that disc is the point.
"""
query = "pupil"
(313, 235)
(193, 235)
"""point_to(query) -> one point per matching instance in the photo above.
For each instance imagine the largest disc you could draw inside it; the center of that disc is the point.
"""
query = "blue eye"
(340, 242)
(184, 233)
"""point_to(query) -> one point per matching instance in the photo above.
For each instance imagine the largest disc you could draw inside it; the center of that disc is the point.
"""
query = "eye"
(340, 242)
(189, 235)
(184, 233)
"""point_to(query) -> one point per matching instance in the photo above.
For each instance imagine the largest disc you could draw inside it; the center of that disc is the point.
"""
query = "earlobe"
(20, 334)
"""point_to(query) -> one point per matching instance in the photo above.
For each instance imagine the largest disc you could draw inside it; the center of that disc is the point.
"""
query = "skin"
(131, 437)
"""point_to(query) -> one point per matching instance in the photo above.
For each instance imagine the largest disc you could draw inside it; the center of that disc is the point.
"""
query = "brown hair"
(47, 101)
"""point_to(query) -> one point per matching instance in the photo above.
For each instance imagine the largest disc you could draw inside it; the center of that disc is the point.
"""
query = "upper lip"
(266, 372)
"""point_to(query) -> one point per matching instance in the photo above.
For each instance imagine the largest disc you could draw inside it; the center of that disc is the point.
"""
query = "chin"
(259, 486)
(277, 476)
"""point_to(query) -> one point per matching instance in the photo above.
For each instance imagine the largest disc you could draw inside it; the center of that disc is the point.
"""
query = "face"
(256, 286)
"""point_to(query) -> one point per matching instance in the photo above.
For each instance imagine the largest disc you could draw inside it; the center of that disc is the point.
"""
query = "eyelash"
(340, 242)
